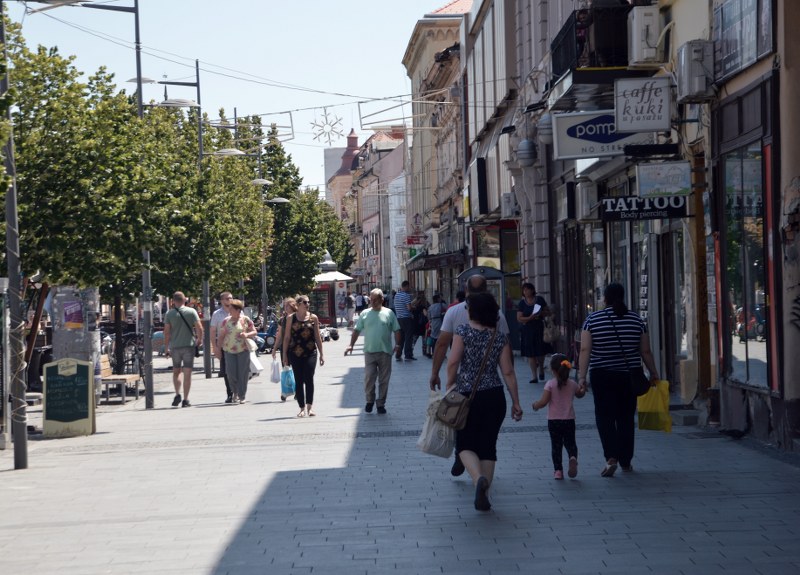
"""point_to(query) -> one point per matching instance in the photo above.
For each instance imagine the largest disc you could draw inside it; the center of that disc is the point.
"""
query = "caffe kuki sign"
(631, 208)
(642, 104)
(591, 135)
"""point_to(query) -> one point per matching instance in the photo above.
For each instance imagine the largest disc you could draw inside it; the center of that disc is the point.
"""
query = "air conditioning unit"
(586, 208)
(644, 30)
(695, 71)
(508, 206)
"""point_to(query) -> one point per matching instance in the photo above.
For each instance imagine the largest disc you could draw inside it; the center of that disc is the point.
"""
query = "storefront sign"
(415, 240)
(642, 104)
(664, 179)
(742, 35)
(591, 135)
(630, 208)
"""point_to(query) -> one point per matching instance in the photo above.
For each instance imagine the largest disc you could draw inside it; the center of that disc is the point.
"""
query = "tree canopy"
(97, 185)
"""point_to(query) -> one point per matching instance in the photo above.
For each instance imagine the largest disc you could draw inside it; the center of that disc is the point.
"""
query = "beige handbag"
(454, 407)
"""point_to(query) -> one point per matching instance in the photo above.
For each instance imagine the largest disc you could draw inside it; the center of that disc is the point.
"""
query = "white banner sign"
(591, 135)
(664, 179)
(642, 104)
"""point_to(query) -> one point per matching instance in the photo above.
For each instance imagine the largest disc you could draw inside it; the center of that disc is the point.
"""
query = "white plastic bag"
(275, 376)
(436, 438)
(255, 364)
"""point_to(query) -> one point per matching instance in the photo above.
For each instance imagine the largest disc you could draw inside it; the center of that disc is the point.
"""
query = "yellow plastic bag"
(653, 408)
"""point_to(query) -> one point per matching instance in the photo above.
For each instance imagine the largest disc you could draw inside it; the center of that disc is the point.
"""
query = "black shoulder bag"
(191, 331)
(454, 407)
(638, 382)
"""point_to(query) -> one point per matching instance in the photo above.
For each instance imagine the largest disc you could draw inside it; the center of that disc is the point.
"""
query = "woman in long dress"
(530, 315)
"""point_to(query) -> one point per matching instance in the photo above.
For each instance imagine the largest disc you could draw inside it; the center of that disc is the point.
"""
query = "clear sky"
(264, 57)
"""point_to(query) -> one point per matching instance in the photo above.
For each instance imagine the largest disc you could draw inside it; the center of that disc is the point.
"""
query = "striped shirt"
(401, 301)
(606, 353)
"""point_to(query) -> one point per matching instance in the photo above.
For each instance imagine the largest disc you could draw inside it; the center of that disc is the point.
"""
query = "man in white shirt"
(217, 318)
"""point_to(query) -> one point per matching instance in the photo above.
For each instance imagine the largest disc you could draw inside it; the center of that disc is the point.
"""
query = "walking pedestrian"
(232, 342)
(349, 308)
(402, 309)
(419, 311)
(435, 317)
(455, 316)
(183, 330)
(614, 340)
(289, 307)
(388, 300)
(476, 443)
(217, 318)
(360, 303)
(378, 324)
(532, 311)
(300, 344)
(559, 393)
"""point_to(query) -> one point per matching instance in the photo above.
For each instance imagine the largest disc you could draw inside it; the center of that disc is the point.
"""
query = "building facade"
(647, 143)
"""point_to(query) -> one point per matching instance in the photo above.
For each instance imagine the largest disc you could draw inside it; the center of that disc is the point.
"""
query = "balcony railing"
(591, 38)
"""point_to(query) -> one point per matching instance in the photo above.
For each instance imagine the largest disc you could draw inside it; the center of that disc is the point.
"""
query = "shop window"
(745, 259)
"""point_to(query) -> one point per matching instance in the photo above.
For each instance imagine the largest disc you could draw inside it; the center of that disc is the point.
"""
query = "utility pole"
(16, 366)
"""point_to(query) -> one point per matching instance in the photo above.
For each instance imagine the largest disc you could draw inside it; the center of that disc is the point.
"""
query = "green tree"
(90, 182)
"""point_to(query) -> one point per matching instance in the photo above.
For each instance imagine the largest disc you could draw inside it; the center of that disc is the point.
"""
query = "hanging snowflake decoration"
(328, 128)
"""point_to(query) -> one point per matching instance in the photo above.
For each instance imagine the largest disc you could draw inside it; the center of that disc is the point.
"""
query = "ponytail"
(561, 367)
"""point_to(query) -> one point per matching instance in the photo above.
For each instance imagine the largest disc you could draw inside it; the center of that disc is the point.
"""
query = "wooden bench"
(122, 381)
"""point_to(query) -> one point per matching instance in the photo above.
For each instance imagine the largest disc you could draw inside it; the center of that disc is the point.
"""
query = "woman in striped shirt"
(613, 341)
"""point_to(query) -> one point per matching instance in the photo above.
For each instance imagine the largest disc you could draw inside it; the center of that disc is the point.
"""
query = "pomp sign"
(591, 135)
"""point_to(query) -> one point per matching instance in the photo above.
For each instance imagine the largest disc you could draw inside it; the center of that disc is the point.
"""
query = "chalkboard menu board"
(68, 398)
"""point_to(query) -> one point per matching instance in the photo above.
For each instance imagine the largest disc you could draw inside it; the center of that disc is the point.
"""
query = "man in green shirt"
(183, 330)
(378, 324)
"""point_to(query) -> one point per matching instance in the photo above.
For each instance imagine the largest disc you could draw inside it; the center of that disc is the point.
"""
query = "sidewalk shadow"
(389, 507)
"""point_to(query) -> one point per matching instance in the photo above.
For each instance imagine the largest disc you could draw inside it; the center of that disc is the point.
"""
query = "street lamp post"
(14, 270)
(264, 295)
(206, 292)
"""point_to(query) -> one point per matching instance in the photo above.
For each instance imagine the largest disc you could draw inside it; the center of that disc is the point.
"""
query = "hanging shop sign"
(630, 208)
(664, 179)
(591, 135)
(742, 35)
(642, 104)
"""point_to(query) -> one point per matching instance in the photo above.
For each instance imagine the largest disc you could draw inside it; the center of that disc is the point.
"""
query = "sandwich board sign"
(68, 398)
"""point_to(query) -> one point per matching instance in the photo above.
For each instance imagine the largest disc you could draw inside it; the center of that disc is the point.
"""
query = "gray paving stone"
(248, 489)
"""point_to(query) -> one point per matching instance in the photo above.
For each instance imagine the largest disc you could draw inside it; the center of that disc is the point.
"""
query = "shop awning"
(435, 261)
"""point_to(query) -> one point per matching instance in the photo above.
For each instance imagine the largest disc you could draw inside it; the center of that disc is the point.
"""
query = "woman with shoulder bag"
(474, 344)
(232, 340)
(613, 341)
(300, 344)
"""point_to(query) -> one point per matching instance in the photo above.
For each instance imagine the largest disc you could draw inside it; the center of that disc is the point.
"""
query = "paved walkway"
(221, 489)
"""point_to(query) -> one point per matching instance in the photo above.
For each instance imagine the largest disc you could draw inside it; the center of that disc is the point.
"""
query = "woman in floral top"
(476, 444)
(300, 344)
(232, 339)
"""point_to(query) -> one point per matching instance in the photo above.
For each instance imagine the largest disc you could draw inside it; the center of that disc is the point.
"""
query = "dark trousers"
(224, 375)
(408, 326)
(614, 410)
(562, 435)
(303, 369)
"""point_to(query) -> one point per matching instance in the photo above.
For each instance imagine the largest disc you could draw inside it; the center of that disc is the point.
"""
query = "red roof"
(455, 7)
